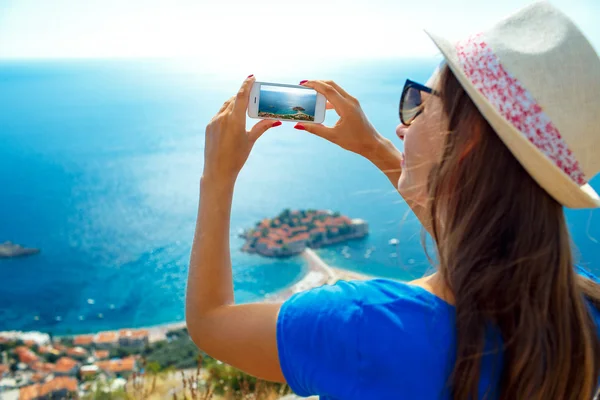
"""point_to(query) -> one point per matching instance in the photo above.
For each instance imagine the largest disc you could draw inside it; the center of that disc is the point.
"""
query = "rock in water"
(10, 250)
(298, 108)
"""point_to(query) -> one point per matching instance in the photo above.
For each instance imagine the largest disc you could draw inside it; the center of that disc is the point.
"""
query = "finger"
(332, 95)
(339, 89)
(261, 127)
(222, 109)
(329, 106)
(230, 105)
(243, 97)
(316, 129)
(225, 105)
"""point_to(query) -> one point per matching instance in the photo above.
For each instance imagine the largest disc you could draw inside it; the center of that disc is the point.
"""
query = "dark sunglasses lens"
(411, 104)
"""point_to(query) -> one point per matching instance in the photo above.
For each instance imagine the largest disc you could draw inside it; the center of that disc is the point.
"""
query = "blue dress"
(377, 339)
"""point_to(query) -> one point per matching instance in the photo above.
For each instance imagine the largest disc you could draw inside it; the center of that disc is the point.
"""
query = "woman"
(497, 142)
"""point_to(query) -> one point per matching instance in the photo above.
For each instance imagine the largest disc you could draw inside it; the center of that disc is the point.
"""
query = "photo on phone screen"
(290, 103)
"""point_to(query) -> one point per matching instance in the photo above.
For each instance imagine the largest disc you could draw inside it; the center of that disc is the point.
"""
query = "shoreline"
(319, 273)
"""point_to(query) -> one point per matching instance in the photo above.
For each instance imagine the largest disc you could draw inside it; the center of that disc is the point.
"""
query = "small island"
(291, 232)
(10, 250)
(298, 108)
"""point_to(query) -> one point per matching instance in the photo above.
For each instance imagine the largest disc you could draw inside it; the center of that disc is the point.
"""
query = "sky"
(223, 32)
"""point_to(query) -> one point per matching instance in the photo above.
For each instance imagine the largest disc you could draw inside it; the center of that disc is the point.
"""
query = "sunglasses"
(411, 101)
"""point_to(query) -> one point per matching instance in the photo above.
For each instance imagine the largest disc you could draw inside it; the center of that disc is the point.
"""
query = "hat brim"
(558, 184)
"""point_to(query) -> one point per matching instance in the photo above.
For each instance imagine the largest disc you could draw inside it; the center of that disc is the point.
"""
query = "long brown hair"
(504, 252)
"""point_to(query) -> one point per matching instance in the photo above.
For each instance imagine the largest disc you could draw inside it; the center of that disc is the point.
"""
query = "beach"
(319, 273)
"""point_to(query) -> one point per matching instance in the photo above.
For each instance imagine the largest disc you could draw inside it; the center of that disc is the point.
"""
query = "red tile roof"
(134, 334)
(43, 367)
(39, 376)
(65, 364)
(118, 365)
(83, 340)
(25, 355)
(46, 349)
(29, 342)
(107, 337)
(300, 237)
(100, 354)
(39, 390)
(77, 351)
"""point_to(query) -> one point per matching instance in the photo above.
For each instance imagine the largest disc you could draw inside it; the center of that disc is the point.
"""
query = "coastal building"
(83, 340)
(42, 367)
(106, 340)
(360, 226)
(7, 384)
(101, 354)
(9, 394)
(58, 388)
(133, 338)
(25, 355)
(88, 371)
(37, 338)
(66, 366)
(118, 367)
(78, 353)
(47, 350)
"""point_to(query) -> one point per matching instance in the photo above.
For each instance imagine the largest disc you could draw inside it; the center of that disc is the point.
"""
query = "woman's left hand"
(227, 142)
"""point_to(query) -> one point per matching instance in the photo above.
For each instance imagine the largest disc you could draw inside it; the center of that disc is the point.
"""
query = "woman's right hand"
(352, 131)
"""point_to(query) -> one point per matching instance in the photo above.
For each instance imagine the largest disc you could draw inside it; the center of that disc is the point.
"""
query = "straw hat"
(536, 79)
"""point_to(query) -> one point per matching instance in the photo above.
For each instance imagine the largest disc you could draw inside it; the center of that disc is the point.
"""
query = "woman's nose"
(401, 131)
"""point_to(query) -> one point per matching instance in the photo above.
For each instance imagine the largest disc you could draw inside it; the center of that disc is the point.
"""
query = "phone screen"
(284, 102)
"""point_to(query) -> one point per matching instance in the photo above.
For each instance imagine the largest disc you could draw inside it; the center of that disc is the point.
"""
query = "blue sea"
(100, 164)
(279, 102)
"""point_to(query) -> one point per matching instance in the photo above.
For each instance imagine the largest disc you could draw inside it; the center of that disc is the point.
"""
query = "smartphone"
(286, 103)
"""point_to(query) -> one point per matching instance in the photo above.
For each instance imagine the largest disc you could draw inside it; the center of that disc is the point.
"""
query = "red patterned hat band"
(515, 103)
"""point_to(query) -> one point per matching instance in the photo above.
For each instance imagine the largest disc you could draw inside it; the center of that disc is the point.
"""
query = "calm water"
(100, 167)
(279, 102)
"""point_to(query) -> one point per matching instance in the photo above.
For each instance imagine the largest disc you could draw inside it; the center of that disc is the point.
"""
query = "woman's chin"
(410, 192)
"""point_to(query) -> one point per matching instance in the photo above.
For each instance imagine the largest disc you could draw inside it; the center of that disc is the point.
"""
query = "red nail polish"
(303, 82)
(299, 127)
(250, 76)
(276, 123)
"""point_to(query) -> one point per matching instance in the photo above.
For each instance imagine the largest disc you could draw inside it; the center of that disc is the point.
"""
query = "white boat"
(37, 318)
(81, 317)
(112, 306)
(393, 242)
(90, 301)
(59, 318)
(100, 315)
(393, 255)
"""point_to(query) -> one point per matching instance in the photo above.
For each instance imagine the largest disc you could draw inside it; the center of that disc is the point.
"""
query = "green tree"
(264, 233)
(336, 214)
(153, 367)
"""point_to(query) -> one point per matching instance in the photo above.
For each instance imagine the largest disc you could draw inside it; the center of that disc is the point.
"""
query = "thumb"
(261, 127)
(316, 129)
